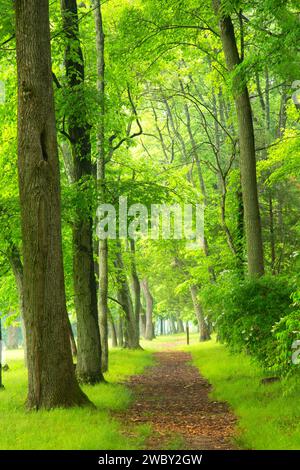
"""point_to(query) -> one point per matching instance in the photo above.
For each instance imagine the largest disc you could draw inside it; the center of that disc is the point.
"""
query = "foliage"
(245, 312)
(287, 334)
(165, 69)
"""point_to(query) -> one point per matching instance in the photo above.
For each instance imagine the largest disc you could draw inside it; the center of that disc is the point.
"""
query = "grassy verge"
(269, 415)
(75, 428)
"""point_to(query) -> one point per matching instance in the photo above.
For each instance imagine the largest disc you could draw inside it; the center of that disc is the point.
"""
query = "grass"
(176, 341)
(77, 428)
(268, 415)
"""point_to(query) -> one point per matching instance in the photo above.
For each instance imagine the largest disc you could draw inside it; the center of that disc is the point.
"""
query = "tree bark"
(282, 112)
(162, 327)
(173, 326)
(136, 288)
(240, 232)
(247, 147)
(203, 327)
(17, 269)
(88, 367)
(124, 298)
(51, 376)
(149, 310)
(272, 233)
(120, 332)
(103, 245)
(102, 301)
(114, 337)
(180, 326)
(72, 341)
(143, 322)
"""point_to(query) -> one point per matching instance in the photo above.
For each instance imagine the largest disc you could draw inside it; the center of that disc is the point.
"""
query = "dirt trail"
(173, 398)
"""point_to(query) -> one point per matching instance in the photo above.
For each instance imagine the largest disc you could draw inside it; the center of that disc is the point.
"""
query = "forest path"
(172, 397)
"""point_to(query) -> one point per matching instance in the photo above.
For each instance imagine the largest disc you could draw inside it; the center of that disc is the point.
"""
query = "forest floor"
(73, 428)
(164, 401)
(173, 398)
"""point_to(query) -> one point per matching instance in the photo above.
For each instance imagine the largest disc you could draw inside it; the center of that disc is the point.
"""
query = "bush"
(245, 312)
(286, 333)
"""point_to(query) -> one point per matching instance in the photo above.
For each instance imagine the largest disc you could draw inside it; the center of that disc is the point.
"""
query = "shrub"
(245, 312)
(286, 332)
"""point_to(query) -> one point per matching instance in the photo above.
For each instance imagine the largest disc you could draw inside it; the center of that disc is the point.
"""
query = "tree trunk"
(129, 329)
(180, 326)
(272, 233)
(103, 301)
(149, 310)
(203, 327)
(72, 341)
(120, 332)
(187, 329)
(143, 324)
(17, 268)
(114, 337)
(136, 288)
(103, 245)
(247, 148)
(89, 348)
(240, 232)
(51, 376)
(162, 329)
(124, 298)
(173, 326)
(282, 112)
(88, 368)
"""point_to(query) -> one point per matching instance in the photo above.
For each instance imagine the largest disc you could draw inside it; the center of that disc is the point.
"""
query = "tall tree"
(101, 162)
(204, 334)
(51, 376)
(247, 145)
(88, 368)
(131, 334)
(136, 289)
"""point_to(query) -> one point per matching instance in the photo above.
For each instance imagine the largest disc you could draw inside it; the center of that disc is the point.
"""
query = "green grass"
(269, 415)
(165, 342)
(77, 428)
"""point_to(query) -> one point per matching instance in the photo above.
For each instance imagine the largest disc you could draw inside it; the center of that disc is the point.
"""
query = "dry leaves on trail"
(173, 398)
